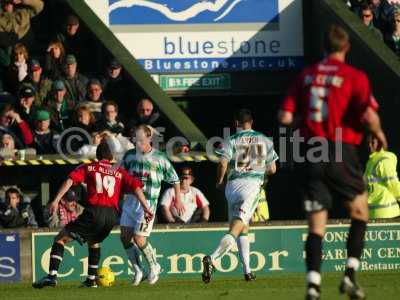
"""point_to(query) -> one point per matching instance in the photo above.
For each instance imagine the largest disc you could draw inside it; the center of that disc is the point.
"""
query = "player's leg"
(346, 179)
(243, 244)
(358, 210)
(56, 256)
(246, 212)
(133, 253)
(313, 248)
(149, 254)
(94, 253)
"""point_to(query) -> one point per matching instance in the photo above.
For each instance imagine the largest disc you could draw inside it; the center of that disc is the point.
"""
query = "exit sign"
(195, 82)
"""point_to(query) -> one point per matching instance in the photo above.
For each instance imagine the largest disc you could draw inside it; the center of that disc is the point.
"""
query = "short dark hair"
(103, 151)
(336, 39)
(243, 116)
(108, 103)
(12, 190)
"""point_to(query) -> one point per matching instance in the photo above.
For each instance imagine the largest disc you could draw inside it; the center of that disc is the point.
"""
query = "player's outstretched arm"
(142, 199)
(61, 192)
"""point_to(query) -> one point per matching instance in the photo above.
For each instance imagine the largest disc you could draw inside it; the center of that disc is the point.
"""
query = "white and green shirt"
(249, 153)
(151, 168)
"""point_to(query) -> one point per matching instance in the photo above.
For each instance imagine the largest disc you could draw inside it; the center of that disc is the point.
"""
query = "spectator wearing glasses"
(367, 17)
(392, 39)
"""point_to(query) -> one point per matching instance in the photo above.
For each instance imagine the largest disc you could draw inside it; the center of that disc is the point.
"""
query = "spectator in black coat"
(15, 213)
(55, 60)
(109, 120)
(392, 38)
(44, 139)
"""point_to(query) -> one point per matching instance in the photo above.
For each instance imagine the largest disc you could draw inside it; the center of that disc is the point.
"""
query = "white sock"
(353, 263)
(134, 257)
(244, 252)
(314, 277)
(226, 244)
(149, 254)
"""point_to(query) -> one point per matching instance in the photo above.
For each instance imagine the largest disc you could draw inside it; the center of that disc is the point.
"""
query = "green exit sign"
(195, 82)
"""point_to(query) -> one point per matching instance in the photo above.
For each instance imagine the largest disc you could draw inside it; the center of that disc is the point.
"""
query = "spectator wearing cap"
(75, 41)
(75, 82)
(195, 203)
(68, 211)
(367, 17)
(55, 60)
(59, 106)
(18, 69)
(44, 139)
(15, 212)
(109, 120)
(26, 107)
(40, 83)
(94, 98)
(12, 123)
(115, 85)
(17, 18)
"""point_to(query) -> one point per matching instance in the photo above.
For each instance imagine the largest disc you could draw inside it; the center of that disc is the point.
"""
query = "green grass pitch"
(378, 285)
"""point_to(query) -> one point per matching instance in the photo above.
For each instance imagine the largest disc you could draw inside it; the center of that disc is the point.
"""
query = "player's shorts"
(242, 195)
(133, 217)
(93, 225)
(339, 180)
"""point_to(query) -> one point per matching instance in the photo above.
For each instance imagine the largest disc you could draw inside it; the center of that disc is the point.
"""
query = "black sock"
(313, 249)
(56, 256)
(94, 258)
(355, 243)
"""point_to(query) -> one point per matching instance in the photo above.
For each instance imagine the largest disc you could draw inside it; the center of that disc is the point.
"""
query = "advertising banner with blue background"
(202, 36)
(9, 257)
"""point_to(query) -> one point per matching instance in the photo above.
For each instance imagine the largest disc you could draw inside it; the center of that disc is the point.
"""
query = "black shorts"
(339, 179)
(93, 225)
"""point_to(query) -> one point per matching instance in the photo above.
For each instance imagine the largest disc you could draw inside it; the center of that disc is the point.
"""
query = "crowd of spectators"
(382, 17)
(53, 85)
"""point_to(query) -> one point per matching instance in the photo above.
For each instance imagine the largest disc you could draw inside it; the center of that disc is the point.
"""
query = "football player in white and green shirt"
(248, 157)
(151, 167)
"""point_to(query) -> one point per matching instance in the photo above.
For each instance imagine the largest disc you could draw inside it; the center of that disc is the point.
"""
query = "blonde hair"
(84, 109)
(20, 48)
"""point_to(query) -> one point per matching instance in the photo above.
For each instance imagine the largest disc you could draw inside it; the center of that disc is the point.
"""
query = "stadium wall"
(277, 247)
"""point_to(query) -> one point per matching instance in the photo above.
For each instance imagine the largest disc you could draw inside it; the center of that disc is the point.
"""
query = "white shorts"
(242, 196)
(133, 217)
